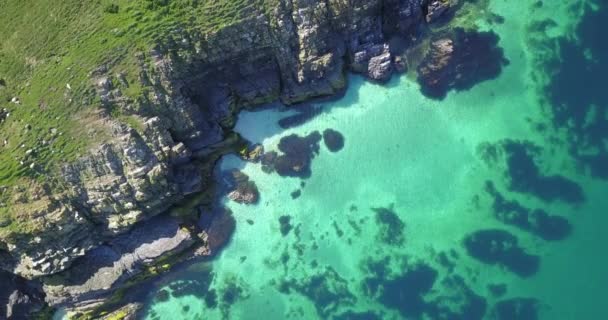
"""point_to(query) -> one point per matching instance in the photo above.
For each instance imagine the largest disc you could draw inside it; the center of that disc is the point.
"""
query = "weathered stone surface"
(436, 8)
(103, 269)
(242, 190)
(19, 299)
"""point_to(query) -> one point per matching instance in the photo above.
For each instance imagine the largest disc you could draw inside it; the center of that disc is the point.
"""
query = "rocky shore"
(148, 193)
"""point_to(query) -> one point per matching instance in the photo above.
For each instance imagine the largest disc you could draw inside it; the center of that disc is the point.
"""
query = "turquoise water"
(380, 228)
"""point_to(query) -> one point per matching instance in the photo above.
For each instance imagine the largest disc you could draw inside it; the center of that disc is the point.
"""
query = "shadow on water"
(260, 127)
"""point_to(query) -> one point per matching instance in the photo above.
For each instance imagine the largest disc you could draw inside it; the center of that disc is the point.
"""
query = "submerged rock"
(495, 246)
(286, 226)
(243, 190)
(219, 231)
(334, 140)
(406, 291)
(391, 227)
(458, 60)
(297, 156)
(457, 302)
(526, 177)
(536, 221)
(326, 289)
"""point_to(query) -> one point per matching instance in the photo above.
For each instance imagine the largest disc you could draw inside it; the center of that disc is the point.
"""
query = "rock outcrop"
(18, 298)
(103, 269)
(458, 60)
(88, 239)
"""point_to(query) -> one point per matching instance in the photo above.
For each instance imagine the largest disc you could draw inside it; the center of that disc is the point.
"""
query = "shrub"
(111, 8)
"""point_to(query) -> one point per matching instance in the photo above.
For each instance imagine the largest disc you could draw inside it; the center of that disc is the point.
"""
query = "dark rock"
(297, 156)
(334, 141)
(19, 298)
(286, 226)
(457, 302)
(400, 64)
(211, 299)
(459, 60)
(406, 291)
(391, 228)
(577, 107)
(525, 176)
(380, 67)
(436, 8)
(495, 246)
(245, 191)
(268, 160)
(220, 231)
(296, 194)
(537, 221)
(107, 267)
(327, 290)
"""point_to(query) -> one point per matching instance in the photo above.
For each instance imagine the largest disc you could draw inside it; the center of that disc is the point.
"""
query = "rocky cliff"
(89, 237)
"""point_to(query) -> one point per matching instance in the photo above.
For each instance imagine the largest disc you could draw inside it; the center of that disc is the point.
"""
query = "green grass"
(47, 46)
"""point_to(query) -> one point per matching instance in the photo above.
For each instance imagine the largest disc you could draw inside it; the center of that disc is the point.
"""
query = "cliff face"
(193, 86)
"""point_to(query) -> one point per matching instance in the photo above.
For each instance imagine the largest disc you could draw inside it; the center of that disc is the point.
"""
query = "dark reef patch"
(516, 308)
(404, 291)
(458, 60)
(538, 221)
(297, 156)
(379, 270)
(391, 227)
(334, 140)
(327, 290)
(457, 302)
(495, 246)
(230, 293)
(576, 92)
(211, 299)
(296, 194)
(524, 175)
(305, 113)
(418, 291)
(285, 222)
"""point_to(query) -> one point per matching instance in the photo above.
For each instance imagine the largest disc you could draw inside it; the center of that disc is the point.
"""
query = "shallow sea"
(384, 228)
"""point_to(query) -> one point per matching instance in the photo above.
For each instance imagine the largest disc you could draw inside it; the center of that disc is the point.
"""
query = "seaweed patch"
(499, 247)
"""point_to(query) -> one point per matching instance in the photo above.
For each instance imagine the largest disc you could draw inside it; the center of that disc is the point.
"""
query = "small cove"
(418, 161)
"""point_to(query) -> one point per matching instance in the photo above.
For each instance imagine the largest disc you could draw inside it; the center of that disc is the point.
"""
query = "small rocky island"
(107, 167)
